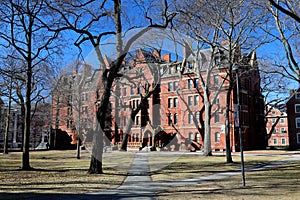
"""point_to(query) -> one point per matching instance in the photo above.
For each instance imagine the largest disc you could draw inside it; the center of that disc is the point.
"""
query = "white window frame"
(275, 141)
(298, 138)
(217, 137)
(297, 118)
(283, 141)
(297, 105)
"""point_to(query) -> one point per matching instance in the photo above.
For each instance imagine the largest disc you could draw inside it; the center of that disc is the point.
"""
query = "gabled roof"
(292, 95)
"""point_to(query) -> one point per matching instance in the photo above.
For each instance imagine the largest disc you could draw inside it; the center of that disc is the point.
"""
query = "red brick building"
(277, 128)
(172, 117)
(293, 111)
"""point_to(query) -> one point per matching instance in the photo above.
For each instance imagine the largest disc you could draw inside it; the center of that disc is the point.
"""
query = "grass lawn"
(192, 166)
(56, 172)
(281, 182)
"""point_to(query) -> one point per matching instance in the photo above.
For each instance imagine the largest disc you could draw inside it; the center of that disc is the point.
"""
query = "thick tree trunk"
(207, 130)
(127, 131)
(25, 155)
(97, 151)
(227, 126)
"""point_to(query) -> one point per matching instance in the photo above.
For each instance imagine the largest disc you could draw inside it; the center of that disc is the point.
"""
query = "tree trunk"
(207, 129)
(127, 132)
(5, 147)
(25, 155)
(97, 151)
(227, 126)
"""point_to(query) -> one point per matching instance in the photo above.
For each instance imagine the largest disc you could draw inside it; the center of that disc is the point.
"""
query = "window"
(191, 118)
(216, 80)
(297, 122)
(297, 95)
(196, 83)
(170, 103)
(197, 137)
(274, 131)
(197, 117)
(139, 89)
(283, 141)
(170, 119)
(298, 138)
(282, 130)
(171, 69)
(190, 100)
(137, 120)
(175, 118)
(124, 92)
(190, 83)
(217, 117)
(297, 108)
(275, 141)
(217, 137)
(132, 90)
(273, 121)
(175, 102)
(175, 85)
(191, 137)
(170, 85)
(282, 121)
(196, 100)
(147, 86)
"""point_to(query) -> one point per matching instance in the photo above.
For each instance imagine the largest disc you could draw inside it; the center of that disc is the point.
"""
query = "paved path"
(138, 184)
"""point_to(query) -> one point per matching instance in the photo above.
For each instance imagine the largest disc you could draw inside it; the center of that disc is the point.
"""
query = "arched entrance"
(147, 139)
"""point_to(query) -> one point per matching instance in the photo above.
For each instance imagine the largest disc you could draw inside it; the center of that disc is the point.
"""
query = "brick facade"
(172, 117)
(293, 111)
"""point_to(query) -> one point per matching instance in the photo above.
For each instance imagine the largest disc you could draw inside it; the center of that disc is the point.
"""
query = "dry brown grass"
(191, 166)
(56, 172)
(281, 182)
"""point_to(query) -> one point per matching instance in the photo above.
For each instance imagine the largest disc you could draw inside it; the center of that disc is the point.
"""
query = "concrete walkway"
(138, 184)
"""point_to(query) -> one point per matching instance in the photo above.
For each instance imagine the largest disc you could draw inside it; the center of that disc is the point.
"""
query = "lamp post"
(238, 113)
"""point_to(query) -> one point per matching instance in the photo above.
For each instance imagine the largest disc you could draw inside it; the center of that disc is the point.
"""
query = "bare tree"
(92, 31)
(287, 22)
(25, 26)
(228, 28)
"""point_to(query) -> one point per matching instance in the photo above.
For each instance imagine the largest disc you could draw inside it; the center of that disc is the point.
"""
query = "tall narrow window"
(298, 138)
(217, 137)
(217, 117)
(297, 108)
(216, 80)
(170, 103)
(175, 85)
(196, 100)
(175, 118)
(175, 102)
(170, 84)
(190, 100)
(297, 122)
(140, 89)
(196, 83)
(191, 137)
(191, 118)
(170, 119)
(132, 90)
(190, 83)
(197, 137)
